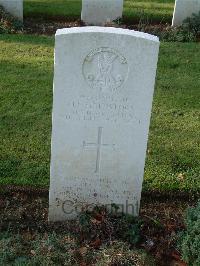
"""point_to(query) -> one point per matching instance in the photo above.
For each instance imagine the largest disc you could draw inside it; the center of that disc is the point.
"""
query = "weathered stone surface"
(99, 12)
(103, 90)
(184, 9)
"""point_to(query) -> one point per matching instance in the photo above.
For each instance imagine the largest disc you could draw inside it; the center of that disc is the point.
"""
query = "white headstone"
(14, 7)
(103, 90)
(99, 12)
(184, 9)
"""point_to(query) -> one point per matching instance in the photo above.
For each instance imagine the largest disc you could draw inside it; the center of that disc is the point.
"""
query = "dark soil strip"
(25, 209)
(147, 196)
(40, 26)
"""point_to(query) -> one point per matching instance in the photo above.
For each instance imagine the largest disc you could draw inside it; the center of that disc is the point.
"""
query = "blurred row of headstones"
(100, 12)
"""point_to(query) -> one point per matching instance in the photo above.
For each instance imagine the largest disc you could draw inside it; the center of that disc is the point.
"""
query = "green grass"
(148, 11)
(26, 96)
(25, 114)
(134, 10)
(174, 141)
(70, 9)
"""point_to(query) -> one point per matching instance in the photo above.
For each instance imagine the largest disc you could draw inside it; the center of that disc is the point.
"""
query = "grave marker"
(14, 7)
(184, 9)
(100, 12)
(103, 90)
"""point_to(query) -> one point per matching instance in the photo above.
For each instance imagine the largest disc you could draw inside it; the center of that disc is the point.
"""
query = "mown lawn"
(134, 10)
(26, 73)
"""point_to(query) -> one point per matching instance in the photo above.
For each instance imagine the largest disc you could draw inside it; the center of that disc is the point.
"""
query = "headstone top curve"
(97, 29)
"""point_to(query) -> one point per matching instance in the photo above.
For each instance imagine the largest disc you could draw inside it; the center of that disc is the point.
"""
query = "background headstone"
(14, 7)
(184, 9)
(99, 12)
(103, 90)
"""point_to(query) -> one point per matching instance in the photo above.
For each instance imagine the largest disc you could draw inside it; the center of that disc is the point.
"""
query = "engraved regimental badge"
(105, 69)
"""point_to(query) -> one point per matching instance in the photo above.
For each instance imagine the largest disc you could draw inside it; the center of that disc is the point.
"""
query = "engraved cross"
(98, 145)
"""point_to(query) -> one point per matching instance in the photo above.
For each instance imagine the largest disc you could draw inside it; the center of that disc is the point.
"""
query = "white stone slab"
(184, 9)
(14, 7)
(103, 90)
(99, 12)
